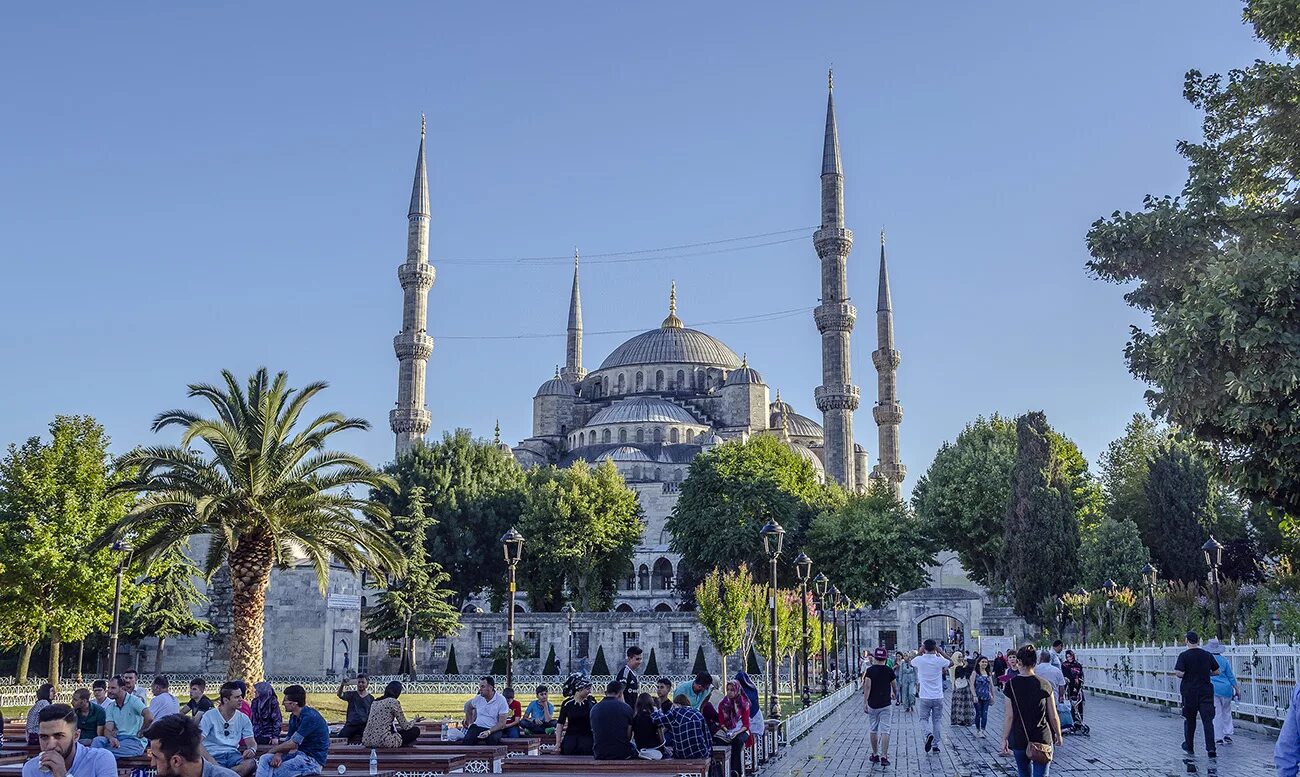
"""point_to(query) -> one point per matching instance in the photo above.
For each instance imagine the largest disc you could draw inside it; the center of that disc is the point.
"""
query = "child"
(516, 714)
(539, 718)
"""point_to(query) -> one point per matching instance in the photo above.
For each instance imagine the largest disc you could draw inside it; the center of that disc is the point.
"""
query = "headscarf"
(262, 703)
(574, 683)
(750, 690)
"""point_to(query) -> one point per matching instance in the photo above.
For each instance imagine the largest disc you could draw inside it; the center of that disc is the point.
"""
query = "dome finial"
(778, 395)
(744, 361)
(496, 436)
(830, 77)
(557, 370)
(421, 125)
(672, 322)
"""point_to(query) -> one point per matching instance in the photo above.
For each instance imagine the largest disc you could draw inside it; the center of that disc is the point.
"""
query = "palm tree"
(267, 494)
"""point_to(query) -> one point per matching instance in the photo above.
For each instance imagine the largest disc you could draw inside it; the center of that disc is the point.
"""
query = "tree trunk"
(410, 647)
(724, 668)
(158, 659)
(81, 658)
(25, 662)
(56, 642)
(250, 575)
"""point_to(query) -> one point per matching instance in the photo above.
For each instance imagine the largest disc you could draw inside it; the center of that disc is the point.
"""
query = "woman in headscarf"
(387, 725)
(266, 715)
(573, 732)
(1073, 671)
(907, 683)
(733, 723)
(963, 691)
(750, 691)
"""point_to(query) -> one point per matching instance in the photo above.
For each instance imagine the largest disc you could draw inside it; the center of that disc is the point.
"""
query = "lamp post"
(1110, 586)
(802, 570)
(773, 539)
(834, 596)
(1060, 617)
(819, 585)
(567, 609)
(857, 642)
(512, 543)
(1083, 594)
(1149, 574)
(122, 563)
(1214, 557)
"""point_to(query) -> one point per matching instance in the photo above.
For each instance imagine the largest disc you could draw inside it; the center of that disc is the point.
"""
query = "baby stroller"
(1071, 712)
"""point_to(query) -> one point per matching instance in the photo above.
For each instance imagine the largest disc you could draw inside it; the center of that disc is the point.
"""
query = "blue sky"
(188, 189)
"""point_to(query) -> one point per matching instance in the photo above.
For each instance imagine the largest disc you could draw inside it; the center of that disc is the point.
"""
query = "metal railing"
(800, 723)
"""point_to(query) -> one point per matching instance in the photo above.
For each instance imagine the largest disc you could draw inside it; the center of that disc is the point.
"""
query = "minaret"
(573, 371)
(837, 397)
(410, 419)
(888, 413)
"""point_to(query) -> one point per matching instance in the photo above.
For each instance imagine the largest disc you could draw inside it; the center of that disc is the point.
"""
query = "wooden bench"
(584, 765)
(486, 758)
(405, 763)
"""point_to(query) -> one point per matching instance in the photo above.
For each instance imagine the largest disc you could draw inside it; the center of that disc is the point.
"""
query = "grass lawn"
(432, 706)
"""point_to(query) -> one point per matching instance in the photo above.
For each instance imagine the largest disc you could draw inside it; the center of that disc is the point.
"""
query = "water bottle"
(374, 762)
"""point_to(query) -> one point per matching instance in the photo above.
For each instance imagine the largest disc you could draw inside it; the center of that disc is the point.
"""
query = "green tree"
(700, 664)
(268, 491)
(873, 547)
(962, 498)
(1217, 269)
(723, 603)
(168, 598)
(582, 526)
(414, 604)
(1178, 489)
(549, 670)
(53, 505)
(474, 491)
(729, 494)
(1123, 472)
(1040, 552)
(600, 667)
(452, 668)
(1112, 550)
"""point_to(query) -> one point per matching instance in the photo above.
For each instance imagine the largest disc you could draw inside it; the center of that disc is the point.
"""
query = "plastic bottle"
(374, 762)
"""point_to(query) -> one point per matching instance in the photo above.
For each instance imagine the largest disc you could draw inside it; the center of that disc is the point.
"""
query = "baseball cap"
(880, 654)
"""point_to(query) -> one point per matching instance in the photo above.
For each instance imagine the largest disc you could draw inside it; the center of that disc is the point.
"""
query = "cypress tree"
(498, 664)
(600, 667)
(700, 666)
(751, 663)
(651, 666)
(1178, 488)
(548, 668)
(451, 660)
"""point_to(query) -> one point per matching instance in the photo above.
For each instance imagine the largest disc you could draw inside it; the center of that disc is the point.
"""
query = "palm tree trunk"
(158, 659)
(250, 575)
(56, 642)
(25, 662)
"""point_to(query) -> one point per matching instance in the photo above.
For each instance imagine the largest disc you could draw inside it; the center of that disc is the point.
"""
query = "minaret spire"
(837, 397)
(887, 412)
(409, 420)
(672, 321)
(573, 371)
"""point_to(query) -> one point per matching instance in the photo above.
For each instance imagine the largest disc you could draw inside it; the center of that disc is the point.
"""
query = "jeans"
(472, 736)
(127, 746)
(1198, 702)
(1222, 717)
(981, 714)
(930, 713)
(228, 758)
(1026, 767)
(291, 765)
(737, 745)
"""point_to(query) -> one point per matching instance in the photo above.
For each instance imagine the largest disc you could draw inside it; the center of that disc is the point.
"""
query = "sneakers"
(874, 758)
(929, 742)
(1187, 749)
(936, 749)
(1213, 754)
(1227, 740)
(884, 760)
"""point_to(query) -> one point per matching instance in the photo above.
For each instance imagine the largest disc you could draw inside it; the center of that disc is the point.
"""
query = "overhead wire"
(754, 318)
(664, 253)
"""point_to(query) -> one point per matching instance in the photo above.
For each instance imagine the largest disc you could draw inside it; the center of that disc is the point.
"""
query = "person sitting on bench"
(611, 726)
(539, 718)
(488, 716)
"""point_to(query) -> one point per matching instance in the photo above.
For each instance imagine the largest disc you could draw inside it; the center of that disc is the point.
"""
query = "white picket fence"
(1266, 674)
(800, 723)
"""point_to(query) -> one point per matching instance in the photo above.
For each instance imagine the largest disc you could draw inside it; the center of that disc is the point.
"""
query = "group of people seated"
(375, 722)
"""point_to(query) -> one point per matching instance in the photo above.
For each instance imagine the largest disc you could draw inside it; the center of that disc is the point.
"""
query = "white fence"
(1266, 674)
(800, 723)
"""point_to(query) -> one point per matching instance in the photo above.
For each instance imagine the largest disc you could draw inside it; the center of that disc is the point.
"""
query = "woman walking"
(963, 692)
(266, 715)
(999, 668)
(907, 683)
(983, 683)
(1030, 725)
(387, 725)
(44, 696)
(1073, 672)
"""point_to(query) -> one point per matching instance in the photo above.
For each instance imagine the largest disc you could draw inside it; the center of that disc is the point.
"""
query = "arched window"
(582, 438)
(640, 435)
(622, 435)
(640, 381)
(605, 385)
(663, 575)
(643, 578)
(636, 472)
(619, 384)
(672, 435)
(624, 607)
(604, 436)
(690, 435)
(677, 476)
(663, 607)
(659, 380)
(659, 434)
(681, 379)
(658, 474)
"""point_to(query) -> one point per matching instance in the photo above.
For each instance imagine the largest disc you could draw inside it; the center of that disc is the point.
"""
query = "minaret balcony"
(886, 359)
(895, 473)
(835, 317)
(833, 241)
(416, 276)
(413, 346)
(842, 397)
(409, 419)
(888, 414)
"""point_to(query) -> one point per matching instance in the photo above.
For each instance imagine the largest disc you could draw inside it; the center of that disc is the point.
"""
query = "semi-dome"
(798, 425)
(643, 410)
(806, 453)
(625, 453)
(672, 345)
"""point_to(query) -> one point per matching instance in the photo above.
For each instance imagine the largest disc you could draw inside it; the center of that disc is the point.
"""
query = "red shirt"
(516, 712)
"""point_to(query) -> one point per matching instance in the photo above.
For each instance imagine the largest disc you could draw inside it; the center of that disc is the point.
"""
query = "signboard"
(343, 602)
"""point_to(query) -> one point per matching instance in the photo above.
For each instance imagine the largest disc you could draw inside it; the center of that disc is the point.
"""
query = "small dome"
(710, 440)
(779, 406)
(806, 453)
(556, 387)
(746, 375)
(643, 410)
(799, 425)
(625, 453)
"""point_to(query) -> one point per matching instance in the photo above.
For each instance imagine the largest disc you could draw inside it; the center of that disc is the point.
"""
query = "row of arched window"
(672, 436)
(697, 379)
(645, 579)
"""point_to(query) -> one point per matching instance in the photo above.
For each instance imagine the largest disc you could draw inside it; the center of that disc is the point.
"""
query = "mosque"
(668, 394)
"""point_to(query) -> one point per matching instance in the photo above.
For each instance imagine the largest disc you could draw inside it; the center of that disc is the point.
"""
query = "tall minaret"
(573, 371)
(410, 419)
(837, 397)
(888, 413)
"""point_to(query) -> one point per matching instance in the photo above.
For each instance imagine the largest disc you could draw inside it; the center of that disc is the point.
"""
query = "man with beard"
(124, 717)
(61, 754)
(174, 749)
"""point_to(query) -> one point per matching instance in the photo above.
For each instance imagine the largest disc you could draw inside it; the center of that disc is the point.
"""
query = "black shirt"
(1030, 697)
(881, 677)
(645, 732)
(610, 721)
(1196, 664)
(575, 716)
(195, 707)
(358, 706)
(631, 685)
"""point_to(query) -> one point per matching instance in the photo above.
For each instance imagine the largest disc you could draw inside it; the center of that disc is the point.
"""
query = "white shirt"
(930, 668)
(223, 736)
(1051, 674)
(488, 713)
(164, 704)
(86, 762)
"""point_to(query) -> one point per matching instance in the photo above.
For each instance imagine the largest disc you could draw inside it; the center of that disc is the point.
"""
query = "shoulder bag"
(1038, 752)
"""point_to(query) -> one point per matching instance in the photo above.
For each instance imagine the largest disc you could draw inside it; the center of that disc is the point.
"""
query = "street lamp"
(1214, 557)
(773, 539)
(834, 596)
(857, 642)
(567, 609)
(1110, 586)
(512, 543)
(1082, 593)
(802, 570)
(122, 563)
(819, 586)
(1149, 574)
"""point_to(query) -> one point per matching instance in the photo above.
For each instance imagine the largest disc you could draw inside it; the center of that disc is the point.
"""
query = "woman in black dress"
(573, 734)
(1030, 715)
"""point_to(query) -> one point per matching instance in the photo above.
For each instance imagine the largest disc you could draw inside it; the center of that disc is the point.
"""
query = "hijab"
(749, 690)
(264, 700)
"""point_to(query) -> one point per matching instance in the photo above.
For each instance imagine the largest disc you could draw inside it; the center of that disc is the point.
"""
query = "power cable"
(639, 255)
(755, 318)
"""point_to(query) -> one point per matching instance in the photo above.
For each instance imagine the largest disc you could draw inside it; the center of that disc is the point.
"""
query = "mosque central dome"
(672, 345)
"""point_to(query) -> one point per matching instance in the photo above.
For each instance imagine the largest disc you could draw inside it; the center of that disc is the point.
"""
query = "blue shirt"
(85, 763)
(690, 737)
(312, 734)
(1225, 681)
(127, 718)
(687, 689)
(536, 713)
(1286, 753)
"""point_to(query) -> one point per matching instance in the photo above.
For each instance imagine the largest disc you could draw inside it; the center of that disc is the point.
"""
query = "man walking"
(1052, 674)
(627, 676)
(1196, 666)
(931, 666)
(879, 689)
(359, 702)
(307, 746)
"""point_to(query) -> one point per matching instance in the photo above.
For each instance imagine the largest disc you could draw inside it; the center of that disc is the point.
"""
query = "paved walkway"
(1126, 739)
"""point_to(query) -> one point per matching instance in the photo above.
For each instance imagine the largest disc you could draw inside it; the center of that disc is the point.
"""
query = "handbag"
(1038, 752)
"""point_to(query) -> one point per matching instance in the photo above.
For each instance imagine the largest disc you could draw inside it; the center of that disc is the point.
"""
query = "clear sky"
(185, 190)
